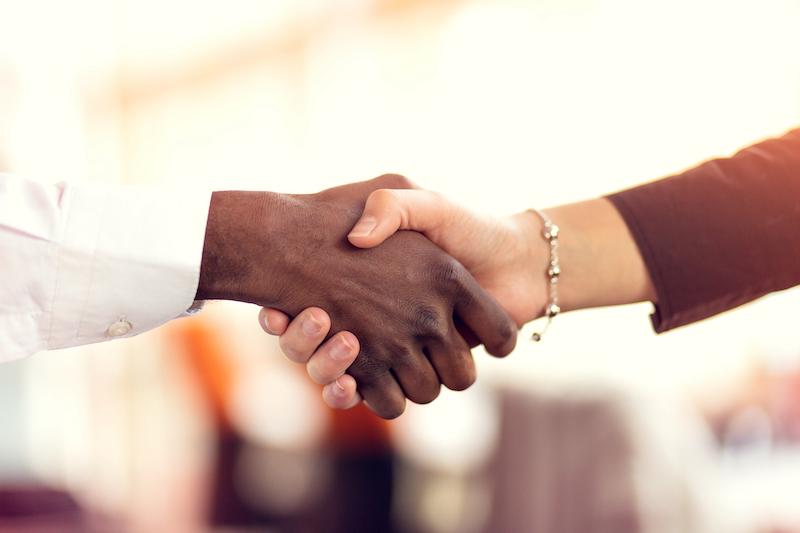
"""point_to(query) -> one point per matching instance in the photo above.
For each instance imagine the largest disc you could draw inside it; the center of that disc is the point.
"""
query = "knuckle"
(462, 380)
(449, 272)
(319, 375)
(428, 322)
(427, 396)
(367, 368)
(396, 181)
(382, 196)
(506, 339)
(394, 410)
(291, 352)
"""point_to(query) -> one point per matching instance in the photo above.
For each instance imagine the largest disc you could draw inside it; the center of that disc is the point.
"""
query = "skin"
(599, 259)
(400, 306)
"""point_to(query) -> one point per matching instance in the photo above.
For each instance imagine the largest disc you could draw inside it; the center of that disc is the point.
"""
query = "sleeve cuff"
(128, 261)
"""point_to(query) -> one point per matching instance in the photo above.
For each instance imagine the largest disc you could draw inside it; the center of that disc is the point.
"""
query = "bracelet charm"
(550, 232)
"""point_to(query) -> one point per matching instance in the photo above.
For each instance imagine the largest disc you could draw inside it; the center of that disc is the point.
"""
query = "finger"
(467, 334)
(485, 318)
(334, 357)
(453, 361)
(273, 321)
(363, 188)
(379, 389)
(342, 393)
(389, 210)
(417, 377)
(304, 334)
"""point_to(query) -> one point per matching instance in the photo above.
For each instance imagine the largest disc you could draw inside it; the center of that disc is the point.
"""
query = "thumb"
(390, 210)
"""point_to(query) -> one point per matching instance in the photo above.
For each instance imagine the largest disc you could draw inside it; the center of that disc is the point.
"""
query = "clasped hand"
(410, 311)
(494, 251)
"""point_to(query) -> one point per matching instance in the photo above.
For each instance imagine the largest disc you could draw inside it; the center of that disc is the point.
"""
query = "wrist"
(532, 260)
(600, 263)
(238, 232)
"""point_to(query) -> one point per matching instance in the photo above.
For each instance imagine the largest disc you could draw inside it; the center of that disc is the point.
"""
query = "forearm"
(603, 264)
(696, 244)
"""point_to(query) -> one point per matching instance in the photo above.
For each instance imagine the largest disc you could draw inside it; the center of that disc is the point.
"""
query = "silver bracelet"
(550, 233)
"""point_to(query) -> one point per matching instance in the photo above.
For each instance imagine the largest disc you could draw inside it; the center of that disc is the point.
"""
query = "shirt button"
(119, 328)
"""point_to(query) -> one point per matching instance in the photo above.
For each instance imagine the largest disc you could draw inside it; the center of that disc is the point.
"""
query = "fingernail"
(266, 324)
(338, 389)
(311, 327)
(364, 227)
(341, 349)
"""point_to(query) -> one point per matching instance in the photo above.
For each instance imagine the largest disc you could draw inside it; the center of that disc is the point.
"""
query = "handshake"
(382, 314)
(397, 310)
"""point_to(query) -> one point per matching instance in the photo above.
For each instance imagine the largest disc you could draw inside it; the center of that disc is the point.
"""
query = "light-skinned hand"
(497, 251)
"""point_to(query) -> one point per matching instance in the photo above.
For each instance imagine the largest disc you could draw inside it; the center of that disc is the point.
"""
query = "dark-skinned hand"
(407, 301)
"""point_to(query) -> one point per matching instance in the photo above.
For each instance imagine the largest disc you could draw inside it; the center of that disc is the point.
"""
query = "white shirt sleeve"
(84, 264)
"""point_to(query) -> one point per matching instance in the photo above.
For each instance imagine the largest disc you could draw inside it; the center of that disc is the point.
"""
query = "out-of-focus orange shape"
(212, 366)
(358, 431)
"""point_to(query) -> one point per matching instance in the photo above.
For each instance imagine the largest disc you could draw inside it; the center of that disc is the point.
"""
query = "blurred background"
(501, 104)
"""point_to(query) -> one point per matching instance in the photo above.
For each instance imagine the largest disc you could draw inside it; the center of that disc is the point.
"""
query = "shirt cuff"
(128, 261)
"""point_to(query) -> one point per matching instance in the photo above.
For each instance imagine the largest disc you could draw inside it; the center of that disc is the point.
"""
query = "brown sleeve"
(721, 234)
